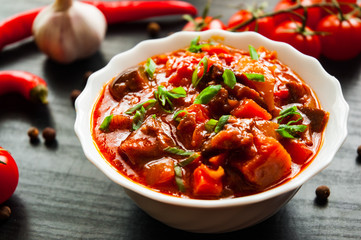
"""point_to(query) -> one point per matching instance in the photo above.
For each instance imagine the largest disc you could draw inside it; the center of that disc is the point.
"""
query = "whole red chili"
(29, 85)
(19, 27)
(123, 11)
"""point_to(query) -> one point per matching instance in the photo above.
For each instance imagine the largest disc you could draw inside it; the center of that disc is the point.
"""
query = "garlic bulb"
(67, 30)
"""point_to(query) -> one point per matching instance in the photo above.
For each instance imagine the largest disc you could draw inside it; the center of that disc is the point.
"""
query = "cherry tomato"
(9, 175)
(263, 25)
(344, 5)
(304, 41)
(342, 38)
(203, 24)
(314, 14)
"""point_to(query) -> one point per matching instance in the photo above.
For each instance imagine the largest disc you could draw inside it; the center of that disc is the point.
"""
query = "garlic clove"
(71, 33)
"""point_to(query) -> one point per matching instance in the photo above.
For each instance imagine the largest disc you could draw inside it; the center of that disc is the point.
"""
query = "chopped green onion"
(195, 79)
(290, 131)
(229, 78)
(177, 118)
(105, 124)
(207, 94)
(177, 151)
(138, 118)
(195, 47)
(253, 52)
(150, 103)
(189, 160)
(255, 77)
(221, 122)
(150, 67)
(210, 125)
(164, 97)
(179, 178)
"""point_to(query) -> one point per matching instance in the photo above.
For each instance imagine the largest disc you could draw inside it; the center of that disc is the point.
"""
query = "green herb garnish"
(1, 162)
(106, 122)
(210, 125)
(288, 112)
(176, 116)
(207, 94)
(289, 130)
(138, 118)
(179, 178)
(189, 160)
(255, 77)
(253, 52)
(195, 79)
(177, 151)
(221, 122)
(164, 96)
(148, 104)
(150, 67)
(229, 78)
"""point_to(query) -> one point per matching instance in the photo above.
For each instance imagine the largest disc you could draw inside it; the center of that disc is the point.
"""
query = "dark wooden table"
(61, 195)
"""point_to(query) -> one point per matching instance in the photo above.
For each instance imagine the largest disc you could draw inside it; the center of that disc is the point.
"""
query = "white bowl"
(213, 216)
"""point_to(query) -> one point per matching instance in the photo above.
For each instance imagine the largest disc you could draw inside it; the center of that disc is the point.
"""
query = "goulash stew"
(209, 122)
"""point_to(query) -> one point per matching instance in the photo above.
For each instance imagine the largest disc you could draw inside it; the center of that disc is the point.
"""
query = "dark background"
(61, 195)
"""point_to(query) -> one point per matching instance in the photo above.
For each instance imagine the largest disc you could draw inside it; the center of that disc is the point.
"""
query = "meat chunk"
(318, 118)
(236, 135)
(131, 80)
(146, 143)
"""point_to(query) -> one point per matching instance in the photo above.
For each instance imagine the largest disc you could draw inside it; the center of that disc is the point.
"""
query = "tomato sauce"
(208, 122)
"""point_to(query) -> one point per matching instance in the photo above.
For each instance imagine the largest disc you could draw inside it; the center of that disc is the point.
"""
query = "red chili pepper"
(123, 11)
(29, 85)
(19, 27)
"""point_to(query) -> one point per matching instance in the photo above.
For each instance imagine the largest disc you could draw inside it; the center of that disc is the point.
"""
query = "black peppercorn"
(49, 134)
(5, 212)
(153, 29)
(322, 193)
(74, 94)
(87, 75)
(359, 150)
(33, 133)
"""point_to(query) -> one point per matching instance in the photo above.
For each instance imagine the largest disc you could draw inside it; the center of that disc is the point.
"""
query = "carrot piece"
(298, 150)
(218, 160)
(202, 114)
(207, 182)
(249, 109)
(271, 164)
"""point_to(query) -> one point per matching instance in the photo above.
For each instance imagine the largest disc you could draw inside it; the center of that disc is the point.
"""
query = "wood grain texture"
(61, 195)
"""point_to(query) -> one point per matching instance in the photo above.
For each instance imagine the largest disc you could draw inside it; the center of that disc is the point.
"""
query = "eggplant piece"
(131, 80)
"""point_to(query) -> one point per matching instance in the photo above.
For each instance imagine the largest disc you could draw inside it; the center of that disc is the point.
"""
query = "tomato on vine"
(203, 24)
(264, 25)
(314, 14)
(342, 36)
(9, 175)
(300, 37)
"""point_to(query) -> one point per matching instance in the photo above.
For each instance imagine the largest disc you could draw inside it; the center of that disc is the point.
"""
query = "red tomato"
(203, 24)
(263, 25)
(314, 14)
(342, 39)
(344, 4)
(9, 175)
(305, 42)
